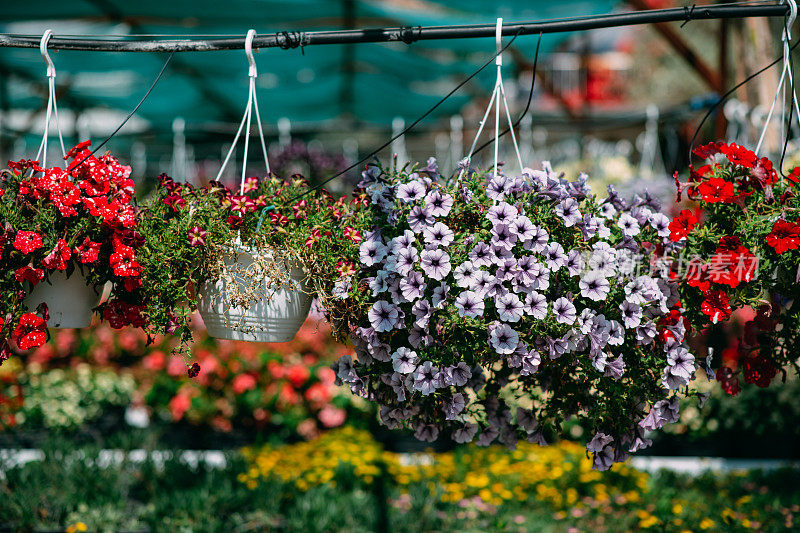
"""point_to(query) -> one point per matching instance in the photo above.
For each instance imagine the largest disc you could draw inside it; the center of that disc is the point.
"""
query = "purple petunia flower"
(371, 252)
(482, 282)
(465, 433)
(436, 264)
(502, 237)
(440, 295)
(523, 228)
(554, 256)
(481, 255)
(660, 223)
(383, 316)
(575, 263)
(628, 225)
(422, 313)
(439, 204)
(341, 289)
(537, 242)
(598, 442)
(567, 209)
(502, 213)
(497, 186)
(426, 376)
(506, 270)
(395, 381)
(681, 362)
(426, 432)
(453, 406)
(594, 286)
(530, 363)
(466, 275)
(404, 261)
(503, 339)
(564, 311)
(404, 360)
(413, 286)
(603, 261)
(509, 307)
(457, 375)
(615, 368)
(419, 337)
(631, 314)
(470, 304)
(419, 218)
(402, 242)
(437, 235)
(535, 305)
(411, 191)
(607, 210)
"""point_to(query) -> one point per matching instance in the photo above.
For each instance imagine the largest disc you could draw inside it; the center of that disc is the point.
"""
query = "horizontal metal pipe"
(405, 34)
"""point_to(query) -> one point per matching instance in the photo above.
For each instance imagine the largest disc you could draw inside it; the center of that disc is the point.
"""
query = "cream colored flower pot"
(69, 299)
(275, 316)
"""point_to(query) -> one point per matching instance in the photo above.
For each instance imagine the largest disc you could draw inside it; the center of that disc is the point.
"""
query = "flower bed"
(344, 481)
(281, 391)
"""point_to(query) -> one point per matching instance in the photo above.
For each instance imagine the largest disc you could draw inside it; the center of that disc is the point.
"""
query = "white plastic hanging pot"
(69, 299)
(274, 316)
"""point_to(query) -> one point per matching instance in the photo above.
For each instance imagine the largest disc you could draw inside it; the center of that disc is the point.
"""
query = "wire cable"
(127, 118)
(398, 135)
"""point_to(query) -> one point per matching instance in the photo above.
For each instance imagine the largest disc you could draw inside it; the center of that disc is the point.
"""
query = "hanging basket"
(274, 315)
(69, 299)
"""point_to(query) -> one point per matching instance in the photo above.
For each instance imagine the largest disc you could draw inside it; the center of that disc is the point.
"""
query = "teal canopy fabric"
(370, 83)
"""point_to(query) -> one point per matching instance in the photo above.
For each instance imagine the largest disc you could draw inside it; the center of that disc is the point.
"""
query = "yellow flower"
(677, 508)
(77, 526)
(707, 523)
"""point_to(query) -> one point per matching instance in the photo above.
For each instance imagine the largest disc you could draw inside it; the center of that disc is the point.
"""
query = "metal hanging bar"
(408, 34)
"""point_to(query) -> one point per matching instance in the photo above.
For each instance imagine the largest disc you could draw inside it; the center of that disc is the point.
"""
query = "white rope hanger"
(52, 106)
(252, 103)
(786, 71)
(498, 93)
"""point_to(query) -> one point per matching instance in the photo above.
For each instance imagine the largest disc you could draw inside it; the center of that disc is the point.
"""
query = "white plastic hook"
(498, 38)
(244, 126)
(248, 50)
(51, 68)
(787, 36)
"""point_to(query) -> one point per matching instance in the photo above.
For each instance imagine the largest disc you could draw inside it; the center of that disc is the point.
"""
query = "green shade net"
(368, 83)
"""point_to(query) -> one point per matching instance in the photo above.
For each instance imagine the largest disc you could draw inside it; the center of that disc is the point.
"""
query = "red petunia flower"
(739, 155)
(784, 236)
(353, 234)
(716, 190)
(300, 210)
(119, 314)
(707, 151)
(345, 268)
(682, 225)
(123, 261)
(58, 256)
(197, 236)
(794, 177)
(733, 263)
(728, 380)
(716, 305)
(31, 332)
(235, 222)
(27, 241)
(759, 370)
(88, 252)
(29, 274)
